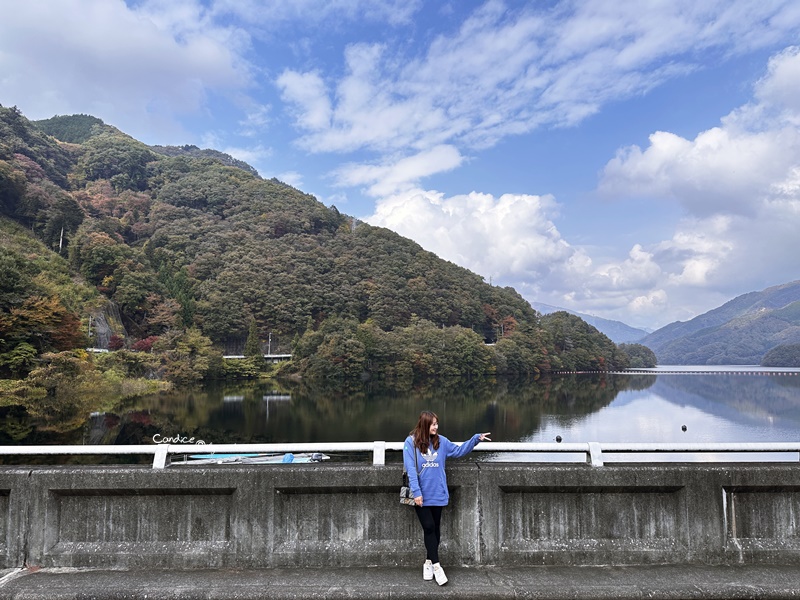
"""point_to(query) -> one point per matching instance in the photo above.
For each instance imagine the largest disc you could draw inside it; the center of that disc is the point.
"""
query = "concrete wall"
(504, 514)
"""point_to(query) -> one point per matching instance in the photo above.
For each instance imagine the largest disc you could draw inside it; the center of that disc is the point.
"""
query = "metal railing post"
(160, 456)
(379, 453)
(595, 454)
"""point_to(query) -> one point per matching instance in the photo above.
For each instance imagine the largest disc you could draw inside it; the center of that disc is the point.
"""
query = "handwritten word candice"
(176, 439)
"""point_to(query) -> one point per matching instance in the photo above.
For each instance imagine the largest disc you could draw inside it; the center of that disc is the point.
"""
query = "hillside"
(40, 301)
(617, 331)
(739, 332)
(192, 250)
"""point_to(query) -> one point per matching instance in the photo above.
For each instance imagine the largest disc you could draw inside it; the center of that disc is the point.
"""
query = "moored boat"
(253, 459)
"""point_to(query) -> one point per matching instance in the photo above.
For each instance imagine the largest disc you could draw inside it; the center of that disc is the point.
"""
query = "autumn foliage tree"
(39, 323)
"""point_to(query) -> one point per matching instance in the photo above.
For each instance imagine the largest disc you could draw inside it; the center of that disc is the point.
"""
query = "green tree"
(15, 278)
(117, 157)
(641, 357)
(74, 129)
(69, 382)
(62, 220)
(19, 137)
(187, 356)
(20, 360)
(97, 255)
(252, 346)
(579, 346)
(126, 363)
(12, 188)
(514, 357)
(43, 322)
(787, 355)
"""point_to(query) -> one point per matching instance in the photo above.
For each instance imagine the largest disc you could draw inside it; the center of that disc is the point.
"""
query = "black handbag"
(406, 495)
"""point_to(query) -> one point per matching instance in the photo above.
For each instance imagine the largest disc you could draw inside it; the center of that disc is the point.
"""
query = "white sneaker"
(427, 571)
(438, 573)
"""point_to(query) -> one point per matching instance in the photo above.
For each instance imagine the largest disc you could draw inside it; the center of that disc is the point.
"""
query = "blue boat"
(254, 459)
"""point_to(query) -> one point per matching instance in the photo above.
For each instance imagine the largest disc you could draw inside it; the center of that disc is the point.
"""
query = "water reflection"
(722, 407)
(256, 412)
(578, 408)
(262, 413)
(714, 408)
(755, 399)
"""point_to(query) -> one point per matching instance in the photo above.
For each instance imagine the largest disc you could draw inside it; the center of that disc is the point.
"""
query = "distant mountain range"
(617, 331)
(739, 332)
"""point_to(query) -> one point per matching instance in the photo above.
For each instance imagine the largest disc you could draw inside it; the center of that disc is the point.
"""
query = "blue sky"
(636, 160)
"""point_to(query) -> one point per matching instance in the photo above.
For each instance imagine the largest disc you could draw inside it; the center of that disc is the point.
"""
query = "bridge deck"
(668, 582)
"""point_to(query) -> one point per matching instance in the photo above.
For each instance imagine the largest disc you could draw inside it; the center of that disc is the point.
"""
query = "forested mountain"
(739, 332)
(617, 331)
(785, 355)
(194, 250)
(578, 343)
(194, 151)
(74, 129)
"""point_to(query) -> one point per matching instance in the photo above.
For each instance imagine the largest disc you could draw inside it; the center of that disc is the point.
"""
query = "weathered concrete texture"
(484, 583)
(509, 515)
(13, 516)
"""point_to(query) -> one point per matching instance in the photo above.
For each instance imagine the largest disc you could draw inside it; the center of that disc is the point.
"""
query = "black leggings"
(429, 518)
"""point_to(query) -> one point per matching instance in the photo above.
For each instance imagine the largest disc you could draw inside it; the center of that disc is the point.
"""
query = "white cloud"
(254, 156)
(507, 71)
(276, 13)
(738, 181)
(647, 306)
(292, 178)
(145, 66)
(780, 88)
(696, 250)
(638, 271)
(308, 93)
(368, 112)
(627, 290)
(511, 236)
(739, 184)
(256, 118)
(402, 174)
(422, 107)
(724, 169)
(513, 240)
(132, 67)
(730, 169)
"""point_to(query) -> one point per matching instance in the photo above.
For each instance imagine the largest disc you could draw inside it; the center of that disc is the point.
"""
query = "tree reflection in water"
(252, 412)
(249, 412)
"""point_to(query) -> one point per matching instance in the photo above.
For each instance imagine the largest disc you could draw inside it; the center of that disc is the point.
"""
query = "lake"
(723, 404)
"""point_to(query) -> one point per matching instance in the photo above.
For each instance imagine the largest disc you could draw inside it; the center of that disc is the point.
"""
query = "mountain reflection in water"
(578, 408)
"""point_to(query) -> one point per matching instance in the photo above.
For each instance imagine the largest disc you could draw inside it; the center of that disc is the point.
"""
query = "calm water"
(726, 406)
(734, 404)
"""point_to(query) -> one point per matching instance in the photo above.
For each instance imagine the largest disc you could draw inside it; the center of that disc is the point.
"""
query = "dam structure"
(337, 530)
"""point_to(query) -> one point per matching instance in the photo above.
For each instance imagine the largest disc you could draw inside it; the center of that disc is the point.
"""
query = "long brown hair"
(422, 432)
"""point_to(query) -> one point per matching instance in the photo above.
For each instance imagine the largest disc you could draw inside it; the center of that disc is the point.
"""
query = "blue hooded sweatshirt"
(431, 483)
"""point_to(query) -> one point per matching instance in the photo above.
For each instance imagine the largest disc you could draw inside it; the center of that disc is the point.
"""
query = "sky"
(637, 160)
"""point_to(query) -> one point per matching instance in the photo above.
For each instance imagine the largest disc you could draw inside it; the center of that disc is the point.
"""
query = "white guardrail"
(593, 451)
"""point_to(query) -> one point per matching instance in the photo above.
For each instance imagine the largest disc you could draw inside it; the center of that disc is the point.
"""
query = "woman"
(424, 456)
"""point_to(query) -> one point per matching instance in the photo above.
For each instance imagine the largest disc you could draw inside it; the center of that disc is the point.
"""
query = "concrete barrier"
(503, 514)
